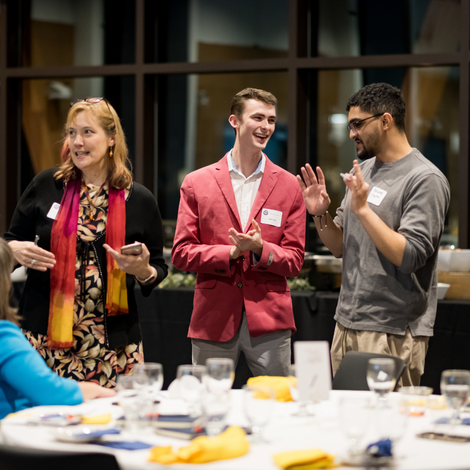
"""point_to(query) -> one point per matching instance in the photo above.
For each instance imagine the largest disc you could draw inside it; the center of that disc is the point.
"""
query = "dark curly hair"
(380, 98)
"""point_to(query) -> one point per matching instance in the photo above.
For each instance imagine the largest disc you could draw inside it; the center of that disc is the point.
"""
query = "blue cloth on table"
(126, 445)
(382, 448)
(445, 420)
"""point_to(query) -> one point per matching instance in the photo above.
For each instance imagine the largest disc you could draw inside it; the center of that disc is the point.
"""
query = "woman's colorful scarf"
(64, 247)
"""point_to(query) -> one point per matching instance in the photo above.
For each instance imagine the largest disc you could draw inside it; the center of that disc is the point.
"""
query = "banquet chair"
(21, 458)
(352, 370)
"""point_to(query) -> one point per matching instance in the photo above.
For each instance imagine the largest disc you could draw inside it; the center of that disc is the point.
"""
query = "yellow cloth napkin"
(304, 459)
(279, 384)
(230, 444)
(98, 419)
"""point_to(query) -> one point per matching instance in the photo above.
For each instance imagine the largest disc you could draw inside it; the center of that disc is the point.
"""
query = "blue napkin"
(444, 420)
(126, 445)
(98, 433)
(382, 448)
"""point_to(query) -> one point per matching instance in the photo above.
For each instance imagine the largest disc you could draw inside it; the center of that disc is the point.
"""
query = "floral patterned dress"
(89, 359)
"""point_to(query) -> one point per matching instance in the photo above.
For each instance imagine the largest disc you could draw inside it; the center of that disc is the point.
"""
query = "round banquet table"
(284, 432)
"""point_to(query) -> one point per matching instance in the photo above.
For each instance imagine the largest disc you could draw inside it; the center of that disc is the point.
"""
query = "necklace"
(91, 201)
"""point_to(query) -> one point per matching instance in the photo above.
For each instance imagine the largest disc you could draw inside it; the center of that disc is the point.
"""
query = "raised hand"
(314, 192)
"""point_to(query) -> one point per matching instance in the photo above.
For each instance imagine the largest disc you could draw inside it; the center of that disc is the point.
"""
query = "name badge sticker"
(52, 214)
(376, 196)
(271, 217)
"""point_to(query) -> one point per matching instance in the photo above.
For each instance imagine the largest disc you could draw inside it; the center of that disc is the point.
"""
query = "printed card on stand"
(313, 370)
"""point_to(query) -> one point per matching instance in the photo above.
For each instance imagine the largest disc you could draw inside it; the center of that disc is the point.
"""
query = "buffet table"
(166, 313)
(284, 432)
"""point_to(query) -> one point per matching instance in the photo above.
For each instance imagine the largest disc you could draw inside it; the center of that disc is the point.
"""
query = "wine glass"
(154, 373)
(294, 391)
(354, 417)
(215, 406)
(455, 385)
(128, 400)
(381, 377)
(191, 379)
(259, 402)
(220, 374)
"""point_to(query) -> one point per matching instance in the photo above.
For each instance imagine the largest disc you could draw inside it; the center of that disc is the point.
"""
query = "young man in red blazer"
(241, 228)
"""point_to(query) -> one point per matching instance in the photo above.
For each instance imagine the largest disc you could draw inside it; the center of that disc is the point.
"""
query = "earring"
(110, 152)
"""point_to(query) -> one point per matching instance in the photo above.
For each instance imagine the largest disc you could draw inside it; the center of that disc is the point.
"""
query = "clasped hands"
(250, 241)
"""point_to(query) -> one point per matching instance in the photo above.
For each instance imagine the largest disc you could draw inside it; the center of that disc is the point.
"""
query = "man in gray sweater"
(387, 230)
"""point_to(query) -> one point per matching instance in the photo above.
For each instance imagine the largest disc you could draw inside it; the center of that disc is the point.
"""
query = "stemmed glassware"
(455, 385)
(354, 416)
(381, 377)
(151, 374)
(259, 402)
(220, 374)
(294, 391)
(130, 399)
(191, 379)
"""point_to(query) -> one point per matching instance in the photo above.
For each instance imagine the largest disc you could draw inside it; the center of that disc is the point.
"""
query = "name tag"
(52, 214)
(376, 196)
(271, 217)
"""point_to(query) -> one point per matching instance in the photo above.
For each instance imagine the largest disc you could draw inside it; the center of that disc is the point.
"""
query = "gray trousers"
(268, 354)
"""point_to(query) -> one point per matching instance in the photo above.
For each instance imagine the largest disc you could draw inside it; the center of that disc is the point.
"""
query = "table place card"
(313, 370)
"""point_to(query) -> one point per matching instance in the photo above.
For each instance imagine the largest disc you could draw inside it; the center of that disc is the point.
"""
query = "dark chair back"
(20, 458)
(352, 371)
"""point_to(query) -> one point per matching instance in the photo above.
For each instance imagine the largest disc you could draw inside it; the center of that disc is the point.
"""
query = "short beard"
(365, 154)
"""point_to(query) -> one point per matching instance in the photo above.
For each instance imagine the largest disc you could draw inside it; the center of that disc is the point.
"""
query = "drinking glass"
(259, 403)
(391, 420)
(294, 391)
(154, 373)
(354, 417)
(381, 377)
(128, 400)
(191, 379)
(220, 374)
(455, 385)
(215, 406)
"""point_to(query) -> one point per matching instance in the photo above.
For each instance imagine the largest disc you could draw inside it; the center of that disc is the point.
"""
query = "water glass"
(259, 403)
(215, 406)
(220, 374)
(354, 418)
(153, 372)
(455, 385)
(381, 376)
(391, 419)
(294, 391)
(128, 399)
(191, 380)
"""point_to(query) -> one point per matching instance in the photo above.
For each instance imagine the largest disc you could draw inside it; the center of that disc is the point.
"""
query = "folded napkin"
(98, 419)
(304, 459)
(97, 433)
(126, 445)
(230, 444)
(279, 384)
(382, 448)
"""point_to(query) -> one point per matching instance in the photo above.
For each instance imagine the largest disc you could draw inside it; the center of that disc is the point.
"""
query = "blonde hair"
(7, 262)
(119, 165)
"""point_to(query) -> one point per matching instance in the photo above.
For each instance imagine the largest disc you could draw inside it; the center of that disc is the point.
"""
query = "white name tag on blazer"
(376, 196)
(52, 214)
(271, 217)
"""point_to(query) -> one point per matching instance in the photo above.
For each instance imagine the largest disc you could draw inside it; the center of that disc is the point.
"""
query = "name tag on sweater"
(271, 217)
(52, 214)
(376, 196)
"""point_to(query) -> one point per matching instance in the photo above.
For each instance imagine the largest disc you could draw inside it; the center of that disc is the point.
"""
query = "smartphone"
(132, 249)
(443, 437)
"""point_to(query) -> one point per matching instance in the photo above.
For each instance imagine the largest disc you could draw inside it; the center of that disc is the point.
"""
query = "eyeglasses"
(355, 125)
(94, 100)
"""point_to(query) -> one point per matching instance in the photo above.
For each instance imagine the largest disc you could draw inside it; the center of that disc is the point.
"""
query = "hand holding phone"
(132, 249)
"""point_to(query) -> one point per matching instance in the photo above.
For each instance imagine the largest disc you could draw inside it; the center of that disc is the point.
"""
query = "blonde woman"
(78, 305)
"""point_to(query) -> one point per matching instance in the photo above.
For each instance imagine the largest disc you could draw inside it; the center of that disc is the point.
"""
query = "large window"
(171, 69)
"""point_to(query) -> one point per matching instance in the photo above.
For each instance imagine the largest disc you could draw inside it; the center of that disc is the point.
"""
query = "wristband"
(151, 277)
(321, 217)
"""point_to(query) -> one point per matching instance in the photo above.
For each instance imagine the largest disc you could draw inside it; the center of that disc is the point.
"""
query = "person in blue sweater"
(25, 379)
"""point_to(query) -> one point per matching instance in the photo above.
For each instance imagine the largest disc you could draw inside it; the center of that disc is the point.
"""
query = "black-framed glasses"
(94, 100)
(355, 125)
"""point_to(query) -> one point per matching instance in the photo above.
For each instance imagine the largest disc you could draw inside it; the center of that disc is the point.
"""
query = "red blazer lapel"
(268, 182)
(222, 176)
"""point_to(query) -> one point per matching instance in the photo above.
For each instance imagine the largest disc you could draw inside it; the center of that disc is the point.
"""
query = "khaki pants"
(411, 349)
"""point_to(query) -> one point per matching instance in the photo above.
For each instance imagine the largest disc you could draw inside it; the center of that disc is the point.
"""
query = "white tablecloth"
(285, 432)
